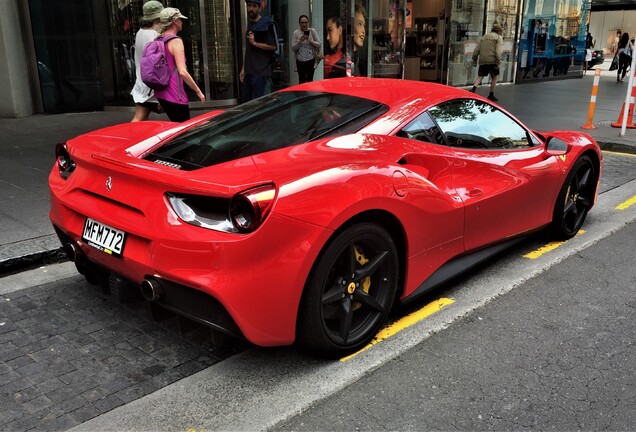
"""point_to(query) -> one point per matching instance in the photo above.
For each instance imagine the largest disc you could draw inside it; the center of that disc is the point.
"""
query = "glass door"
(466, 29)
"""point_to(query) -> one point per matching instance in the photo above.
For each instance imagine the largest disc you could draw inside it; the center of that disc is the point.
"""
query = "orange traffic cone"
(630, 114)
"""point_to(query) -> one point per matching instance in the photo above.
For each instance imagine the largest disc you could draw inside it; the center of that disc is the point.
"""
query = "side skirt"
(460, 265)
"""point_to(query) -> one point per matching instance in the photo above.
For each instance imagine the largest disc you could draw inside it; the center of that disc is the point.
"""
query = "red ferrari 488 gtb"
(302, 216)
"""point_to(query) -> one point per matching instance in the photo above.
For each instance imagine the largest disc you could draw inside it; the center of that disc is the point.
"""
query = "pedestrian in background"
(589, 45)
(489, 52)
(305, 43)
(173, 98)
(624, 52)
(259, 49)
(145, 102)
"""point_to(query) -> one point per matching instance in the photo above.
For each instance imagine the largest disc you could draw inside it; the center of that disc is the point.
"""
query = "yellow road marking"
(619, 153)
(626, 204)
(547, 248)
(403, 323)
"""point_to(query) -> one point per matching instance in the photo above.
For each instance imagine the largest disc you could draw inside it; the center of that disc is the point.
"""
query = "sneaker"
(493, 98)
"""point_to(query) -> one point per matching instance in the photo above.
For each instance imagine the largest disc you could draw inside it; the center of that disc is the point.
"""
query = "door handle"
(474, 192)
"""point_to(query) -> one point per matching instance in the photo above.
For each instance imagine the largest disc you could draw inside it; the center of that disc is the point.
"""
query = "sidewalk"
(28, 145)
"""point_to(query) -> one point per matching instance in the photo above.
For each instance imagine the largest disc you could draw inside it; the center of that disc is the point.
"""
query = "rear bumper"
(240, 284)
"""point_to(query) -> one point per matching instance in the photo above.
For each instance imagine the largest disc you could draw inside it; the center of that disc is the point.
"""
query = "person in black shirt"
(259, 48)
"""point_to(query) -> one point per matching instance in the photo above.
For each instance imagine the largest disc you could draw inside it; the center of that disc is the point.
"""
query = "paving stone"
(84, 413)
(61, 423)
(60, 366)
(9, 352)
(190, 367)
(72, 354)
(8, 377)
(10, 337)
(14, 386)
(115, 385)
(92, 328)
(114, 361)
(168, 356)
(8, 327)
(60, 394)
(26, 394)
(78, 339)
(147, 343)
(50, 385)
(37, 404)
(108, 403)
(43, 355)
(153, 370)
(10, 414)
(32, 368)
(95, 394)
(168, 377)
(18, 362)
(23, 423)
(68, 405)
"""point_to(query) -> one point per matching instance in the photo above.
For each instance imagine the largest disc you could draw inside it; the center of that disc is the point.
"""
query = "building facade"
(79, 55)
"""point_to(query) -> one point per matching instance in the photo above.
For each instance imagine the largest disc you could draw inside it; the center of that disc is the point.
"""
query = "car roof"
(389, 91)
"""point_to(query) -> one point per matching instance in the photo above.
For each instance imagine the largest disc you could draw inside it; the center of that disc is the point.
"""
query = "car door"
(501, 171)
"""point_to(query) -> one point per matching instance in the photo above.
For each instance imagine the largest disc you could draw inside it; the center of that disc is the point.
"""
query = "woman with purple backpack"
(173, 98)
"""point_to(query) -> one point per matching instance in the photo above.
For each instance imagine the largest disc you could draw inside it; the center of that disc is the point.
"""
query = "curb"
(617, 147)
(29, 254)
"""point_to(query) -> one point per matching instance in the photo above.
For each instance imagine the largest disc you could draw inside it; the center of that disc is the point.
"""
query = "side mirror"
(557, 147)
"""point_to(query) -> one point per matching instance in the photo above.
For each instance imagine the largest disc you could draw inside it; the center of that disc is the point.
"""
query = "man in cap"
(489, 52)
(149, 27)
(259, 48)
(173, 97)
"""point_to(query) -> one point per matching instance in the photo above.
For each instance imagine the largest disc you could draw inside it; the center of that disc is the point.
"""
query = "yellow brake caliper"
(366, 282)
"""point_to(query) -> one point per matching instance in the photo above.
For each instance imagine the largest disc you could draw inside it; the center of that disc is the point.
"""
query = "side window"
(470, 123)
(423, 128)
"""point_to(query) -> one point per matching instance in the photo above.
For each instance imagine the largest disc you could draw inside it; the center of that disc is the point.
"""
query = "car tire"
(575, 199)
(350, 291)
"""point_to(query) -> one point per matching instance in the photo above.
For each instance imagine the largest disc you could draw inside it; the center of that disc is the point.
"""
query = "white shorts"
(588, 54)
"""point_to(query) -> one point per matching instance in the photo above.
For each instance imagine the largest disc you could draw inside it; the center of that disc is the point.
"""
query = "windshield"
(272, 122)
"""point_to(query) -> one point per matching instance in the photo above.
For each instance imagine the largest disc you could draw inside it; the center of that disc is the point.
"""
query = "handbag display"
(318, 55)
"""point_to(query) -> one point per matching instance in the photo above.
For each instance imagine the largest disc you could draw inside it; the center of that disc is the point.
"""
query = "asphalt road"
(544, 341)
(556, 353)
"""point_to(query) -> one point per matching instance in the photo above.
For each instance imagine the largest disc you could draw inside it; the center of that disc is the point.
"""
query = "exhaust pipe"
(71, 252)
(151, 290)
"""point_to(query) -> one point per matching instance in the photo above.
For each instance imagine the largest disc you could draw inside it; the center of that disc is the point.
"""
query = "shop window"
(65, 49)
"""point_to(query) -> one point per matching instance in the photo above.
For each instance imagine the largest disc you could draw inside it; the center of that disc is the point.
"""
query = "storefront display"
(86, 58)
(552, 41)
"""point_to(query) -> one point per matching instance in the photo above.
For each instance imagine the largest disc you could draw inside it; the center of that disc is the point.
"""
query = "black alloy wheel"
(575, 199)
(350, 291)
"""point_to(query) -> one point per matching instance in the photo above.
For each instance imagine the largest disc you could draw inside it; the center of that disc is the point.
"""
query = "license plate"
(103, 237)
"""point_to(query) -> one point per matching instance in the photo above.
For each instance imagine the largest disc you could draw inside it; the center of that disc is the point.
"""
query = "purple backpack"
(154, 69)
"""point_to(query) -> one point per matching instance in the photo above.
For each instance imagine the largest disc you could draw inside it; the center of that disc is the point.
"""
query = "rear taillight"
(249, 209)
(244, 213)
(65, 163)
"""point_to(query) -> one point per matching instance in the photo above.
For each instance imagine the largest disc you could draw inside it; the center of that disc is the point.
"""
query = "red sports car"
(304, 215)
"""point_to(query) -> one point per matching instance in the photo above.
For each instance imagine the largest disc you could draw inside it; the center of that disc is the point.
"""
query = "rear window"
(275, 121)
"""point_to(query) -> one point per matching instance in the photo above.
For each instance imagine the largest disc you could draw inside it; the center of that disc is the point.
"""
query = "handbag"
(614, 64)
(318, 55)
